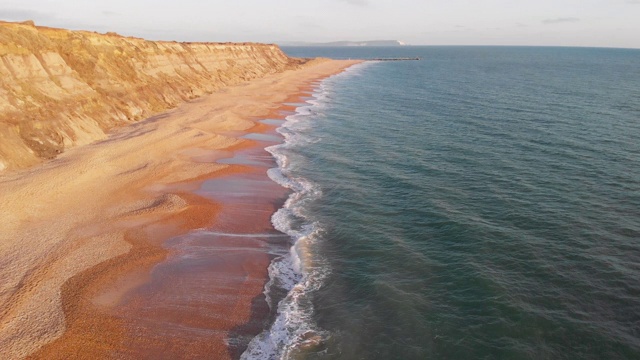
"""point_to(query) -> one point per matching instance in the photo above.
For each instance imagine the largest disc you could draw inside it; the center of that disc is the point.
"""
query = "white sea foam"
(298, 272)
(217, 233)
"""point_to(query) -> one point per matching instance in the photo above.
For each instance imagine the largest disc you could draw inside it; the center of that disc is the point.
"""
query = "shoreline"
(98, 211)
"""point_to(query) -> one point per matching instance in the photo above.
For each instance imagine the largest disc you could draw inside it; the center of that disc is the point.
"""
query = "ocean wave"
(297, 273)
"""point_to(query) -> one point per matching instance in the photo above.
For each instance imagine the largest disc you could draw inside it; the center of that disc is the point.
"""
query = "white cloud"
(560, 20)
(356, 2)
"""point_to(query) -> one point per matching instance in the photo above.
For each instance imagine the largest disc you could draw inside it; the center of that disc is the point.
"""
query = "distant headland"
(346, 43)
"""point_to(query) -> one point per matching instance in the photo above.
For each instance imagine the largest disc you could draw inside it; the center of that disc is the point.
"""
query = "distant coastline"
(345, 43)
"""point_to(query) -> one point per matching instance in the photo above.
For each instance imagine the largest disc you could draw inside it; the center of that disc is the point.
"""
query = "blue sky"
(610, 23)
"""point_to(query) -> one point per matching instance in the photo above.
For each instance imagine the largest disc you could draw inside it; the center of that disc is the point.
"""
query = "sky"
(602, 23)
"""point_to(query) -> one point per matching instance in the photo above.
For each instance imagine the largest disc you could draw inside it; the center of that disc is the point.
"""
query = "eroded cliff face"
(61, 88)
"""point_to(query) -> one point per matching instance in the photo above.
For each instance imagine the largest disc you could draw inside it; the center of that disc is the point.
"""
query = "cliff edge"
(61, 88)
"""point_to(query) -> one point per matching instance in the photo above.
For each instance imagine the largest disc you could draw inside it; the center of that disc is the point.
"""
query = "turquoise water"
(483, 203)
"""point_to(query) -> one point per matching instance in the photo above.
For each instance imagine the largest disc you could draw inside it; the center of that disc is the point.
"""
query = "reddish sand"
(197, 295)
(116, 266)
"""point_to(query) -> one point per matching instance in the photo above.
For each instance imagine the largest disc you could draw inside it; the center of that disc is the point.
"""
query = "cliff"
(61, 88)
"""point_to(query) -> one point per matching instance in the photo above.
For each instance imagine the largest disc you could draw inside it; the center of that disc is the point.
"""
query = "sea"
(480, 203)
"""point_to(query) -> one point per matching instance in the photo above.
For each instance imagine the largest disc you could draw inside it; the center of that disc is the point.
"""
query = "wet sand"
(153, 243)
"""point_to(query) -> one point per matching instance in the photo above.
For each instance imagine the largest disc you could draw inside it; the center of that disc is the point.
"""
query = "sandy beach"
(82, 233)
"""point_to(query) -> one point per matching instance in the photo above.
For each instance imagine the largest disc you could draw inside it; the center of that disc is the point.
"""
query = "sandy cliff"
(61, 88)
